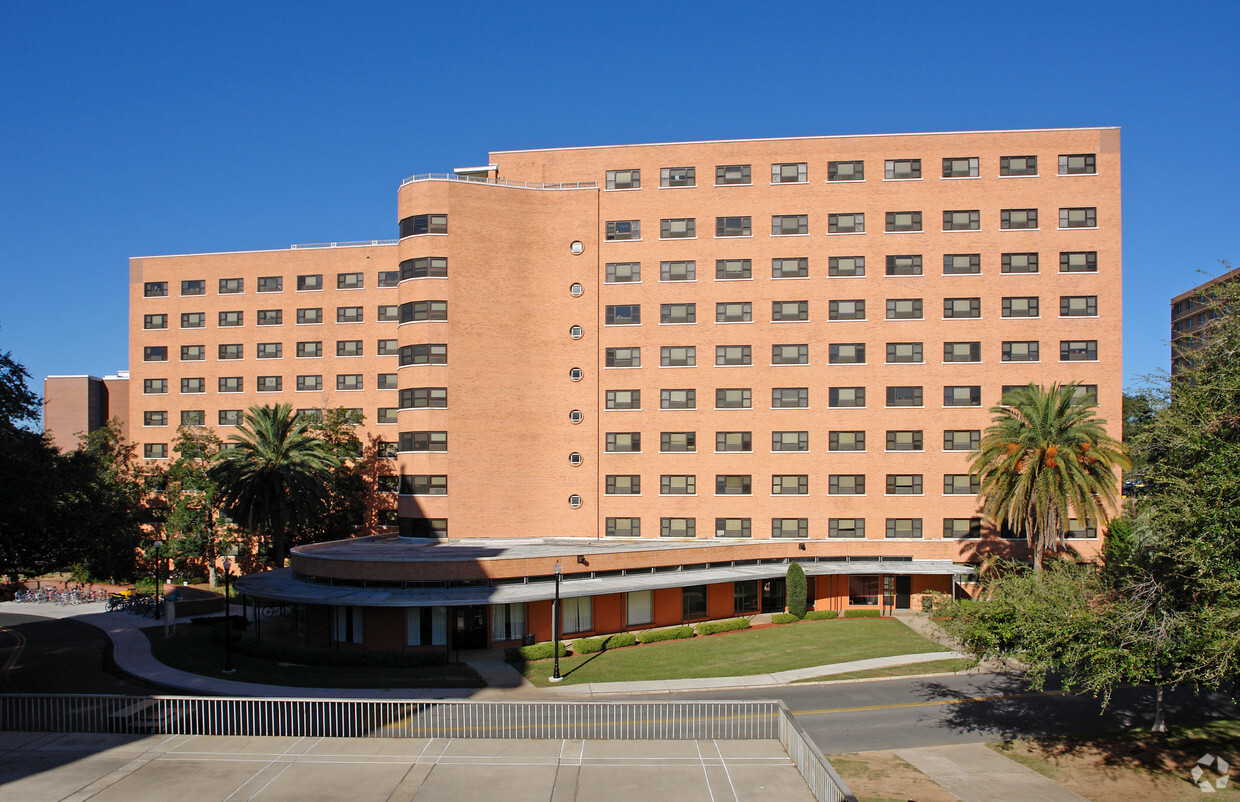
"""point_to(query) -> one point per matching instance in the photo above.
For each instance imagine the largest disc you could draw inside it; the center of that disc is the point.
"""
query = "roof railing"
(473, 179)
(357, 244)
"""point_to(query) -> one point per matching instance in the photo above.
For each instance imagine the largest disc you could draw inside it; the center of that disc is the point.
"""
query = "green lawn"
(194, 649)
(749, 651)
(912, 669)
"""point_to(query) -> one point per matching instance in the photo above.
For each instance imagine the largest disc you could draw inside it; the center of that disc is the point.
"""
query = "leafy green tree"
(194, 537)
(796, 589)
(275, 476)
(1044, 460)
(347, 491)
(18, 403)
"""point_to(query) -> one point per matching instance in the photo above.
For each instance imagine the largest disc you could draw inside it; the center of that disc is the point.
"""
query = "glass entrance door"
(773, 600)
(469, 627)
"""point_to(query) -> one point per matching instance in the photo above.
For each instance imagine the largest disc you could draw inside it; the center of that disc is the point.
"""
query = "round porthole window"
(575, 332)
(575, 374)
(574, 501)
(577, 248)
(575, 416)
(576, 290)
(574, 459)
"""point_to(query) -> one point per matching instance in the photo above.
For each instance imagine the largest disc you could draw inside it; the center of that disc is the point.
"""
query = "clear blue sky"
(130, 129)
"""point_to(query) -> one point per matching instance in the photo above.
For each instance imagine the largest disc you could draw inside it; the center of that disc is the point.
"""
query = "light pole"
(555, 626)
(228, 666)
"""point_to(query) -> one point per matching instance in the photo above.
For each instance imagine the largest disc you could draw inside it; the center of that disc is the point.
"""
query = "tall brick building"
(709, 357)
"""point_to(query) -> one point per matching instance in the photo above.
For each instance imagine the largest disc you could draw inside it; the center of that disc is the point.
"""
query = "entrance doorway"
(904, 592)
(469, 627)
(773, 600)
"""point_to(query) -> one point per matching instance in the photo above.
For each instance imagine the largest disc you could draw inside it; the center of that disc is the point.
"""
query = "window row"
(304, 349)
(953, 528)
(269, 384)
(305, 283)
(781, 484)
(853, 170)
(270, 317)
(850, 309)
(234, 417)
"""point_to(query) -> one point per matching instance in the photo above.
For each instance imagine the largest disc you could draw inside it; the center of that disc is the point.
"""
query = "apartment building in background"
(1191, 316)
(666, 370)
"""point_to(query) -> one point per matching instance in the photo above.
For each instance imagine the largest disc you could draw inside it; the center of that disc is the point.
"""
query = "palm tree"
(275, 475)
(1044, 460)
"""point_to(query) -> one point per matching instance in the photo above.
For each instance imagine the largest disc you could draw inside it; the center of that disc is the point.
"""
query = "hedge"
(821, 615)
(864, 614)
(592, 645)
(331, 657)
(539, 651)
(728, 625)
(784, 618)
(671, 633)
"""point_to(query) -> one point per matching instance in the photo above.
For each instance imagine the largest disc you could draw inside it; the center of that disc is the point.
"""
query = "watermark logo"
(1210, 773)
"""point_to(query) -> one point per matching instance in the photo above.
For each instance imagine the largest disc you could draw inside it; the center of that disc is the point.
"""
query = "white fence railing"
(357, 244)
(499, 182)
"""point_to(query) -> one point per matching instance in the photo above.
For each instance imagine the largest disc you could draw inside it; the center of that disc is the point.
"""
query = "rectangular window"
(863, 590)
(1018, 165)
(960, 167)
(623, 229)
(418, 311)
(624, 315)
(677, 485)
(789, 173)
(960, 528)
(423, 441)
(678, 228)
(677, 527)
(623, 399)
(789, 527)
(1084, 217)
(1078, 306)
(733, 398)
(790, 268)
(423, 485)
(1078, 262)
(623, 357)
(424, 224)
(624, 179)
(1078, 164)
(960, 484)
(195, 287)
(789, 310)
(846, 484)
(797, 354)
(853, 223)
(846, 266)
(846, 353)
(155, 451)
(846, 527)
(270, 284)
(904, 352)
(962, 307)
(270, 384)
(228, 319)
(1078, 350)
(193, 353)
(734, 441)
(154, 386)
(783, 225)
(507, 624)
(623, 442)
(734, 312)
(900, 169)
(150, 322)
(677, 356)
(349, 314)
(693, 602)
(846, 441)
(846, 310)
(1011, 219)
(310, 282)
(350, 281)
(961, 439)
(624, 527)
(732, 527)
(904, 265)
(727, 269)
(348, 347)
(155, 353)
(309, 383)
(385, 381)
(677, 442)
(904, 396)
(388, 348)
(904, 441)
(732, 174)
(904, 527)
(638, 608)
(387, 312)
(956, 264)
(1019, 263)
(746, 597)
(270, 350)
(389, 278)
(962, 352)
(310, 315)
(423, 397)
(789, 398)
(678, 271)
(155, 418)
(232, 286)
(733, 226)
(789, 441)
(904, 484)
(904, 309)
(790, 485)
(1020, 351)
(733, 355)
(424, 267)
(230, 417)
(623, 485)
(305, 350)
(193, 320)
(846, 397)
(270, 317)
(1077, 530)
(846, 171)
(155, 289)
(678, 177)
(1020, 306)
(962, 396)
(623, 272)
(903, 221)
(962, 220)
(385, 414)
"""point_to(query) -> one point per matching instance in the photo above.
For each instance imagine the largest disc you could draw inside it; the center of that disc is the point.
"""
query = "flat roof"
(393, 548)
(1230, 274)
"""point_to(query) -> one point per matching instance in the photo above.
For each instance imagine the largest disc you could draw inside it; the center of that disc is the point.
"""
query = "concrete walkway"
(977, 773)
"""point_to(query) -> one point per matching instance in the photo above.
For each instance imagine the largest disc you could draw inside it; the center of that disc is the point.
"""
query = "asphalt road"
(49, 655)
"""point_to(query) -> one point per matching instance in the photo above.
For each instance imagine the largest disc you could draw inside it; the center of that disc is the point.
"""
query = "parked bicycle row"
(52, 595)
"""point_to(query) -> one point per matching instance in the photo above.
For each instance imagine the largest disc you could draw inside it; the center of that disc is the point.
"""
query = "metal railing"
(357, 244)
(819, 774)
(499, 182)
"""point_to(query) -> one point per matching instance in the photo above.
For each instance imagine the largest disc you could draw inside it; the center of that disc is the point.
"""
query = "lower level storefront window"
(863, 589)
(578, 614)
(507, 621)
(426, 626)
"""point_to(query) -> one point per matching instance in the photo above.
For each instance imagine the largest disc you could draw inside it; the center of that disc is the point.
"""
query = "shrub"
(671, 633)
(932, 601)
(539, 651)
(821, 615)
(864, 613)
(796, 590)
(592, 645)
(331, 657)
(784, 618)
(728, 625)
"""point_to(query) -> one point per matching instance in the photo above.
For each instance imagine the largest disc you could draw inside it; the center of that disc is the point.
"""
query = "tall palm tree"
(1044, 460)
(275, 475)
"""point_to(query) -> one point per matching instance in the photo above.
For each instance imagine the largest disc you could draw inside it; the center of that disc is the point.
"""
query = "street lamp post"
(228, 666)
(555, 626)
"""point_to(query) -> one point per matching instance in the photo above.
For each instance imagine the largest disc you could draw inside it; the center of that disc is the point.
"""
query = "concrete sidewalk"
(977, 773)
